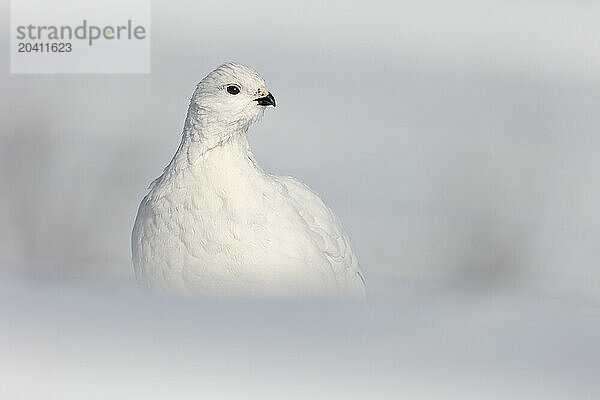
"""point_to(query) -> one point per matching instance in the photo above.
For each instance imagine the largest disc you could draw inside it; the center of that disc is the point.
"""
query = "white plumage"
(215, 224)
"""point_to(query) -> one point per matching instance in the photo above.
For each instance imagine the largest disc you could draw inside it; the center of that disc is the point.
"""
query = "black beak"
(268, 100)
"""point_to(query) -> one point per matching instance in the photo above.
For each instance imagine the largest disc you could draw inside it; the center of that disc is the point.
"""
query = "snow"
(73, 341)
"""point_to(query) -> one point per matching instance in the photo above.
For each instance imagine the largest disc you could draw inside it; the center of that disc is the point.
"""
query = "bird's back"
(328, 235)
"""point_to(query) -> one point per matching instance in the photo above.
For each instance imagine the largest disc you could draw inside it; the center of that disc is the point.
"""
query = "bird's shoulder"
(308, 204)
(324, 225)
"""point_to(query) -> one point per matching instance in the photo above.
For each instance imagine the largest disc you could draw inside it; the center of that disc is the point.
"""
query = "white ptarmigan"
(214, 224)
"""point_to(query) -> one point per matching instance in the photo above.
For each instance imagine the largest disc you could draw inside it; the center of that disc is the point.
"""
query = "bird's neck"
(204, 132)
(226, 146)
(211, 150)
(214, 151)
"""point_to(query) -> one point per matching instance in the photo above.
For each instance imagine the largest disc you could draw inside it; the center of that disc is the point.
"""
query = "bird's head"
(231, 97)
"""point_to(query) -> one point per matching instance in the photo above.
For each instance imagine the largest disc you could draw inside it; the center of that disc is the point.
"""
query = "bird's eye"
(233, 89)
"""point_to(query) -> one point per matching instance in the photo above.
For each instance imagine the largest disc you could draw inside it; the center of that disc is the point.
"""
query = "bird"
(214, 224)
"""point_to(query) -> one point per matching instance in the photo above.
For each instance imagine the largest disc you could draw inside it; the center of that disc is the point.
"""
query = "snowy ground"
(73, 341)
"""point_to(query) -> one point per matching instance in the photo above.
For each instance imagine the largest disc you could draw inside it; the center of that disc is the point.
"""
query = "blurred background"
(457, 141)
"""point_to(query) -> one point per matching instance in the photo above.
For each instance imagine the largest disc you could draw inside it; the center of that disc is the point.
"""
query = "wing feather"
(327, 232)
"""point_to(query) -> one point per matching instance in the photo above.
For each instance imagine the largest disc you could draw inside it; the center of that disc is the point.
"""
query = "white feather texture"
(215, 224)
